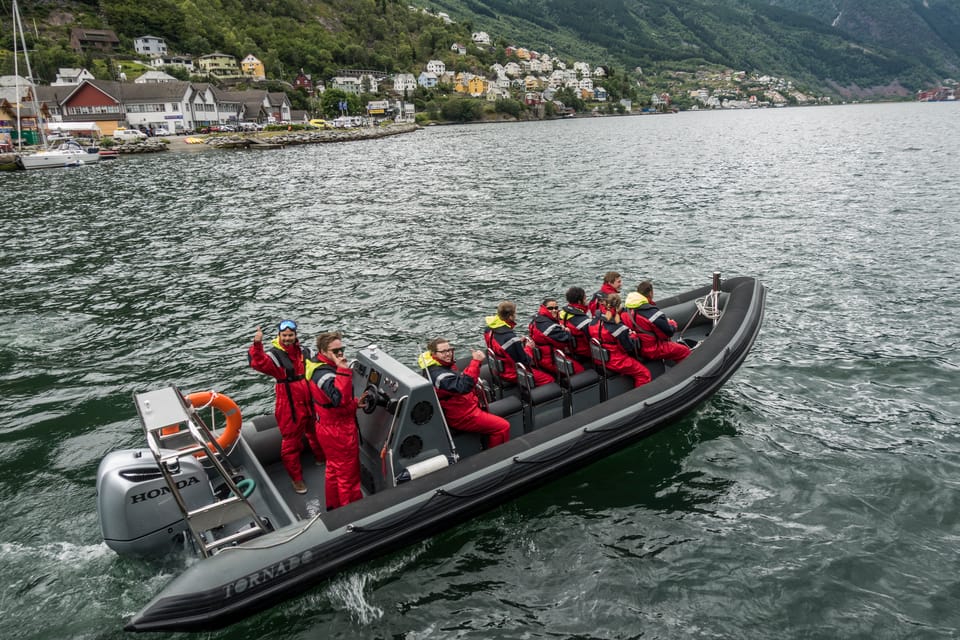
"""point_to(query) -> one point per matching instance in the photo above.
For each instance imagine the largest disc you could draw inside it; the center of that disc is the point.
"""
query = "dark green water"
(815, 496)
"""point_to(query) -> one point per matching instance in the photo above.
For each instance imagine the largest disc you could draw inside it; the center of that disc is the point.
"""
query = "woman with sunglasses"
(286, 360)
(336, 408)
(549, 335)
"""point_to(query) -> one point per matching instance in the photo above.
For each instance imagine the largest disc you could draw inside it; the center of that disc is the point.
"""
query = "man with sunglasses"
(549, 335)
(332, 383)
(286, 361)
(455, 390)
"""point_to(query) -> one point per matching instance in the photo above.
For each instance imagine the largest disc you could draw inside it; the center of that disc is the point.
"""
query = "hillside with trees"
(875, 47)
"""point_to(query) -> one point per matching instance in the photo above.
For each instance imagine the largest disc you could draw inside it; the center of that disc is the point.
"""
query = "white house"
(347, 84)
(151, 46)
(154, 76)
(481, 37)
(369, 83)
(151, 105)
(512, 69)
(558, 78)
(67, 76)
(583, 68)
(404, 82)
(186, 62)
(458, 48)
(437, 67)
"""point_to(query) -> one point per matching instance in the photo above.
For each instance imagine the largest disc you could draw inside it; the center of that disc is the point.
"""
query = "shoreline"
(281, 139)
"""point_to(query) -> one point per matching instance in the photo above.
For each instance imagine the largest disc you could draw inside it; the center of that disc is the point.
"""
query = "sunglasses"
(287, 324)
(552, 308)
(450, 350)
(338, 351)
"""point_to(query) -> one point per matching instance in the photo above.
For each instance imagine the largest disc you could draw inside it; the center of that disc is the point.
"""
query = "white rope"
(709, 305)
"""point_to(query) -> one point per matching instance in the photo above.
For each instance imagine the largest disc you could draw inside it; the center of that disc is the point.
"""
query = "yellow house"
(477, 86)
(523, 53)
(220, 65)
(253, 68)
(532, 83)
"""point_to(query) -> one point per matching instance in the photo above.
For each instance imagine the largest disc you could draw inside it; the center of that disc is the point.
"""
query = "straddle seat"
(495, 366)
(611, 383)
(543, 404)
(468, 443)
(581, 390)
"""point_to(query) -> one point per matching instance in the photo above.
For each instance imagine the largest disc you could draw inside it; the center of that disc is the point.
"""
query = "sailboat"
(67, 153)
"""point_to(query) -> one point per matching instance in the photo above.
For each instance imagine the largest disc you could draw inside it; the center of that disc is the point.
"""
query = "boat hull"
(56, 158)
(238, 581)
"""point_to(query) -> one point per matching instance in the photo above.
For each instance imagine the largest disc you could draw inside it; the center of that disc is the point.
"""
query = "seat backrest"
(484, 394)
(495, 364)
(601, 356)
(536, 355)
(599, 353)
(564, 367)
(525, 380)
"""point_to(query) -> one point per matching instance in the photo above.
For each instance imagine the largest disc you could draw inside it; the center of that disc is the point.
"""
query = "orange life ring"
(226, 406)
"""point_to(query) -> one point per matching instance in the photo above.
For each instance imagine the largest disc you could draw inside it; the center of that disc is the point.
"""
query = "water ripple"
(814, 496)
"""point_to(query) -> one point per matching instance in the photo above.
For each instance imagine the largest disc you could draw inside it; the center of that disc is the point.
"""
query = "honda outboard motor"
(138, 514)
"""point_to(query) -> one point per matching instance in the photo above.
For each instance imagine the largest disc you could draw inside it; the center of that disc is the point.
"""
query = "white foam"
(63, 552)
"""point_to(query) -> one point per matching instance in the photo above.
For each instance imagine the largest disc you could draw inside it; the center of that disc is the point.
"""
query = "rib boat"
(224, 495)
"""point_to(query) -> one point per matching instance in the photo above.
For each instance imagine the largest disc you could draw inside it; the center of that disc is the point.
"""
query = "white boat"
(68, 153)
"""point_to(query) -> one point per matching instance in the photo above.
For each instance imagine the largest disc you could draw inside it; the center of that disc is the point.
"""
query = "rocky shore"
(275, 140)
(257, 140)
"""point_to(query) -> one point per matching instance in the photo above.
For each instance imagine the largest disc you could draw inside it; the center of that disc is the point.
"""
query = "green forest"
(654, 39)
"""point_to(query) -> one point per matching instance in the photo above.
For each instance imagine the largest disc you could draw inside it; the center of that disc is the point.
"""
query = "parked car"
(162, 131)
(129, 135)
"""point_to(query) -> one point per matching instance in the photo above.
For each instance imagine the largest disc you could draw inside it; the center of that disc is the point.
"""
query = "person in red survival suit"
(615, 337)
(576, 317)
(508, 347)
(611, 284)
(652, 327)
(548, 334)
(286, 360)
(336, 409)
(455, 390)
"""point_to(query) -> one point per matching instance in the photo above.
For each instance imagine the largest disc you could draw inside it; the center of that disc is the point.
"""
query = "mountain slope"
(781, 37)
(850, 47)
(928, 30)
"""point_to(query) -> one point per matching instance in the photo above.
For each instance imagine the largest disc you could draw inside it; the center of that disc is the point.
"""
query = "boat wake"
(58, 552)
(350, 591)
